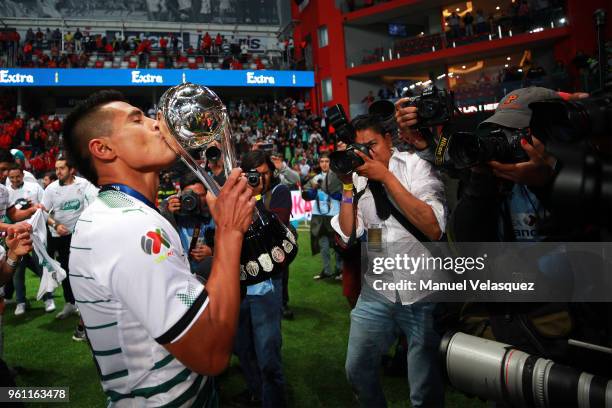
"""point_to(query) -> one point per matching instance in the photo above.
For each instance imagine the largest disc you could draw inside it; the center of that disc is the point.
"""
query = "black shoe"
(287, 313)
(79, 334)
(322, 275)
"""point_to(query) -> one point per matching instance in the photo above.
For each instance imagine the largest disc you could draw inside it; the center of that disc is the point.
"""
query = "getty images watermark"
(490, 272)
(458, 265)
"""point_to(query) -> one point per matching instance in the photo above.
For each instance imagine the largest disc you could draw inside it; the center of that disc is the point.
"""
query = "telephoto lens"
(499, 372)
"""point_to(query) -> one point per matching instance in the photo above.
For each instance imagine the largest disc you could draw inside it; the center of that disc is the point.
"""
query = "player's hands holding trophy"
(193, 119)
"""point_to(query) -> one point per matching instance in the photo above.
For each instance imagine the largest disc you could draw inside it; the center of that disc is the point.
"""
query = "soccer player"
(65, 199)
(155, 331)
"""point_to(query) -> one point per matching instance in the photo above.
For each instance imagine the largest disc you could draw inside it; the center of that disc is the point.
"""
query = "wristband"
(12, 263)
(347, 200)
(258, 197)
(347, 187)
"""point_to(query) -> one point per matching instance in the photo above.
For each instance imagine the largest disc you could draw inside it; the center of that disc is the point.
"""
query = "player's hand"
(61, 229)
(18, 239)
(232, 210)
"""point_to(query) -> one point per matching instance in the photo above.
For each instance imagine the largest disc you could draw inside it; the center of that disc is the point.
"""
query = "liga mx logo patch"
(152, 242)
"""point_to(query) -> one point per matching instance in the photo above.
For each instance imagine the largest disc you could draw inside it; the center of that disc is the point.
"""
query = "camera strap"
(441, 145)
(385, 208)
(194, 238)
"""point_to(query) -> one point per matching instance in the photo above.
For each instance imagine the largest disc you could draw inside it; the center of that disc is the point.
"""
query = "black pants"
(61, 245)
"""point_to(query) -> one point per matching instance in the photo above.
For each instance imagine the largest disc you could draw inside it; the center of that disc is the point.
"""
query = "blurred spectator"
(468, 22)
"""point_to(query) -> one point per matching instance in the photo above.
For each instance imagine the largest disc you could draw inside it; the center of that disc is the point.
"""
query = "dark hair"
(256, 158)
(51, 175)
(69, 162)
(189, 179)
(324, 155)
(85, 122)
(6, 156)
(373, 122)
(15, 166)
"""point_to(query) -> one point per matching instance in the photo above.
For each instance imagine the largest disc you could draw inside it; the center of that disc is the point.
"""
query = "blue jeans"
(30, 261)
(373, 329)
(326, 250)
(258, 345)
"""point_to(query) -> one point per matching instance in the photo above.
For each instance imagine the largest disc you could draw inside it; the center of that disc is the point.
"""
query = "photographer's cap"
(513, 110)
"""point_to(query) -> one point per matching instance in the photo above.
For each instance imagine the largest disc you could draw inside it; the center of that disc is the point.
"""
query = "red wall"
(330, 61)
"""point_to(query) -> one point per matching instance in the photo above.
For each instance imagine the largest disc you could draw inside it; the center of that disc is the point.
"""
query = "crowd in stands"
(38, 137)
(522, 16)
(79, 49)
(287, 127)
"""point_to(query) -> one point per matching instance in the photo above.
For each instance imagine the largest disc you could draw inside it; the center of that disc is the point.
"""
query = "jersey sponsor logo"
(153, 241)
(71, 205)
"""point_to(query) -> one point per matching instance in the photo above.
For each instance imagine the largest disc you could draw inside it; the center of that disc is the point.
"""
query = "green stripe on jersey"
(92, 301)
(102, 326)
(115, 375)
(106, 352)
(83, 248)
(80, 276)
(187, 395)
(163, 362)
(148, 392)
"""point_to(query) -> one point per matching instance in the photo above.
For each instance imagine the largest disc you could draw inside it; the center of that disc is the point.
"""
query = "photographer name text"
(460, 286)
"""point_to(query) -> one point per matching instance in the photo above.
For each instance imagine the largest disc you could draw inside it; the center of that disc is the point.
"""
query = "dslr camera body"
(190, 203)
(253, 178)
(466, 149)
(434, 107)
(346, 161)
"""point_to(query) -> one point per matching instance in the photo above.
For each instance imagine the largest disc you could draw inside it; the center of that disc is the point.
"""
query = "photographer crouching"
(258, 341)
(190, 216)
(397, 198)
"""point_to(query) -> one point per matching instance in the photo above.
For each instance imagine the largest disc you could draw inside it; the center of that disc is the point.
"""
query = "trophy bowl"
(194, 118)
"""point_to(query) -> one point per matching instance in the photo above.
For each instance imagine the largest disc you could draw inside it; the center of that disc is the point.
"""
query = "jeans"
(324, 243)
(373, 329)
(258, 345)
(31, 261)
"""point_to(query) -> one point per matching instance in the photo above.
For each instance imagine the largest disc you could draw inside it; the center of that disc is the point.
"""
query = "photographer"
(287, 176)
(190, 215)
(417, 196)
(326, 190)
(214, 163)
(510, 202)
(258, 341)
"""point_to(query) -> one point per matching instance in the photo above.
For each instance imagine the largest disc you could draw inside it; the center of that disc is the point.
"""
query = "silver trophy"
(197, 120)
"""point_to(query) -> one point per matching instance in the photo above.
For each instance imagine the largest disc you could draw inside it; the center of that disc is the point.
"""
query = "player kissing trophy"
(198, 122)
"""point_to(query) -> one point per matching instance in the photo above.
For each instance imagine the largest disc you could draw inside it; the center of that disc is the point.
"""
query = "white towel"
(52, 272)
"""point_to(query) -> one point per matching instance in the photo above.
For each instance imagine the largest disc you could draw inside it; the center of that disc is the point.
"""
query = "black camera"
(346, 161)
(213, 153)
(22, 204)
(502, 144)
(434, 107)
(190, 203)
(253, 178)
(337, 118)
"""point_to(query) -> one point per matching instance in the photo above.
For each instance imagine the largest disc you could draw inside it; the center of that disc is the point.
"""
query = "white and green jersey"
(4, 201)
(65, 203)
(28, 190)
(133, 286)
